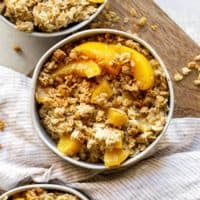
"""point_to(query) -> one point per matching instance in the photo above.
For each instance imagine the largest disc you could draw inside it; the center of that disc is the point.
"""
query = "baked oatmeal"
(42, 194)
(102, 99)
(47, 15)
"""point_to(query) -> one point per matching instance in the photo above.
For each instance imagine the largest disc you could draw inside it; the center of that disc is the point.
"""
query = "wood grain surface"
(172, 44)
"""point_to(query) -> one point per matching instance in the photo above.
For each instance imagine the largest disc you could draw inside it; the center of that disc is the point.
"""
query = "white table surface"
(186, 13)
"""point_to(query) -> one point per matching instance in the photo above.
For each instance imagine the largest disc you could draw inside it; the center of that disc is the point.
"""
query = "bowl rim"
(65, 31)
(61, 188)
(44, 136)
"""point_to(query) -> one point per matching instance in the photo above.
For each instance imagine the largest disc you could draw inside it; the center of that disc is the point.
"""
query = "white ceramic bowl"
(47, 139)
(65, 31)
(60, 188)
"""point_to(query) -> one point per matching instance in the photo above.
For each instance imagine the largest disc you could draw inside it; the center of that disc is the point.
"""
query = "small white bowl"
(60, 188)
(65, 31)
(45, 136)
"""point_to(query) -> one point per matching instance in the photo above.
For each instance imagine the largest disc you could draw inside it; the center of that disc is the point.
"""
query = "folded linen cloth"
(172, 173)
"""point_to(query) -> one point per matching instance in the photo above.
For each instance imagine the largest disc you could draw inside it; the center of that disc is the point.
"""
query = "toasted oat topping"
(105, 111)
(47, 15)
(43, 194)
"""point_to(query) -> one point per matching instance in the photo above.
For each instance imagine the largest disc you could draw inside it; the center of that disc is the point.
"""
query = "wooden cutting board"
(172, 44)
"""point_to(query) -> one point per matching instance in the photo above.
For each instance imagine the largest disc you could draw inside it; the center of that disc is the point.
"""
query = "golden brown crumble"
(43, 194)
(46, 15)
(65, 105)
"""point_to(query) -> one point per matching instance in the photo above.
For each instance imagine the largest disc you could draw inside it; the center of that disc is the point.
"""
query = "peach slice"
(97, 1)
(101, 53)
(143, 71)
(83, 68)
(97, 51)
(117, 117)
(68, 145)
(103, 87)
(114, 157)
(104, 54)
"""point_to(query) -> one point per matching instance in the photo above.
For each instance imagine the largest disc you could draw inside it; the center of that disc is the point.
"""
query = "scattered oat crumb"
(178, 77)
(154, 27)
(126, 20)
(1, 125)
(142, 21)
(185, 70)
(192, 65)
(133, 12)
(17, 48)
(197, 82)
(197, 58)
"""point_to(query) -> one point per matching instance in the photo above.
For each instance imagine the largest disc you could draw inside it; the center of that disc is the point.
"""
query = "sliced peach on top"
(101, 53)
(117, 117)
(85, 68)
(96, 50)
(103, 87)
(114, 157)
(68, 145)
(104, 54)
(143, 71)
(97, 1)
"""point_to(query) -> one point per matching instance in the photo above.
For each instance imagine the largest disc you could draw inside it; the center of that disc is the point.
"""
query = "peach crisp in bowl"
(101, 99)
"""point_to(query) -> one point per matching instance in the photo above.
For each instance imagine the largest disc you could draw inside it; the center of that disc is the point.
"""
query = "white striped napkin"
(172, 173)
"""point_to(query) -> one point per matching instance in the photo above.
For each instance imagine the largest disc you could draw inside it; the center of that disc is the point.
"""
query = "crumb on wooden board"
(193, 65)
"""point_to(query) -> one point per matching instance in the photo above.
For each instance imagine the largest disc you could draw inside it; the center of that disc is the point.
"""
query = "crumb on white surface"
(17, 48)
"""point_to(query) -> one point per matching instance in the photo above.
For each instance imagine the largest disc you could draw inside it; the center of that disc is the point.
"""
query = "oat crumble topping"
(42, 194)
(47, 15)
(109, 113)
